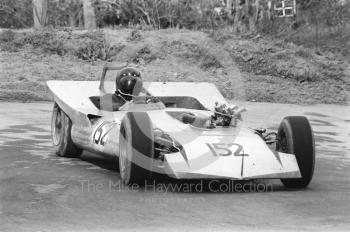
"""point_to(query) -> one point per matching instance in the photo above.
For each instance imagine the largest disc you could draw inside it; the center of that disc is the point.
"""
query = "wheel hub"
(124, 161)
(57, 127)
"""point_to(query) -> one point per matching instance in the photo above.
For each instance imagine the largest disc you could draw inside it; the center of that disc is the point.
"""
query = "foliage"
(156, 13)
(191, 14)
(89, 46)
(327, 12)
(16, 13)
(7, 36)
(65, 13)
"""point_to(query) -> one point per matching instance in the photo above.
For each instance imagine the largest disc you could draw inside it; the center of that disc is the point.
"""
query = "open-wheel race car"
(184, 130)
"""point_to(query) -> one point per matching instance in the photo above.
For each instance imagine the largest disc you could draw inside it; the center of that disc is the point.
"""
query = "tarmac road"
(42, 192)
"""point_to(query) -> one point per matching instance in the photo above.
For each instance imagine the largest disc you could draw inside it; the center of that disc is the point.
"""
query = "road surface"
(42, 192)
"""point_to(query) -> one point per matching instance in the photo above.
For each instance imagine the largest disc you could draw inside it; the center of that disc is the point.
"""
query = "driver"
(128, 86)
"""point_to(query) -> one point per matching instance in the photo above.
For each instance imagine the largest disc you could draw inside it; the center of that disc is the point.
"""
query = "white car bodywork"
(223, 152)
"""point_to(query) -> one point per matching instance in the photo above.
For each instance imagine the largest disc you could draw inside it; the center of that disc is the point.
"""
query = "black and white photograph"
(174, 115)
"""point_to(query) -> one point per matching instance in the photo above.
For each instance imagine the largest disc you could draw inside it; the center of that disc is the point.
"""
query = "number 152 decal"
(226, 149)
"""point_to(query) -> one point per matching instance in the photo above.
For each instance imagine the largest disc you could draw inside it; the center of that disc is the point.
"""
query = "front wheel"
(61, 127)
(136, 148)
(295, 136)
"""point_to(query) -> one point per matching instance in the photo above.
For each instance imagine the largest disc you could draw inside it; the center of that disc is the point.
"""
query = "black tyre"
(295, 136)
(136, 148)
(61, 126)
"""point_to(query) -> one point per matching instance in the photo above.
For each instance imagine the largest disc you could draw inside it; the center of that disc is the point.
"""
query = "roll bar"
(106, 68)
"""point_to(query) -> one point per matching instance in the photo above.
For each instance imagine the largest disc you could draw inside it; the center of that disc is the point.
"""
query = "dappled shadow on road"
(25, 138)
(316, 114)
(30, 139)
(101, 160)
(318, 122)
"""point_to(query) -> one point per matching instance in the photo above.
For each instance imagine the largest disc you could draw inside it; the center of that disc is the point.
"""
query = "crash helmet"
(128, 83)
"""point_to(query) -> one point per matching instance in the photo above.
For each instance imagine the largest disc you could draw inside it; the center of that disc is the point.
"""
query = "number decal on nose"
(226, 149)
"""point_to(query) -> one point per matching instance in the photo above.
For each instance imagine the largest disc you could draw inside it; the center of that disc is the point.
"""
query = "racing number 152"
(226, 149)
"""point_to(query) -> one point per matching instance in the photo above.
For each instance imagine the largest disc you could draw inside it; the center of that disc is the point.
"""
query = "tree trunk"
(252, 14)
(237, 15)
(89, 15)
(39, 13)
(257, 12)
(72, 18)
(247, 16)
(229, 4)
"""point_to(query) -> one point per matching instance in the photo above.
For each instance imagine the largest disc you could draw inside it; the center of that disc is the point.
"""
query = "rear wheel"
(61, 126)
(295, 136)
(136, 148)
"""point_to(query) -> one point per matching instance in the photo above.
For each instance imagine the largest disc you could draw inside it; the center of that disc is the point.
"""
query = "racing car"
(185, 130)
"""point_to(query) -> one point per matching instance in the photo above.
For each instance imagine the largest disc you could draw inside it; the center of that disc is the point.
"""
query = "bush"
(144, 56)
(89, 46)
(16, 13)
(202, 55)
(135, 35)
(7, 36)
(49, 41)
(303, 52)
(92, 46)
